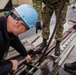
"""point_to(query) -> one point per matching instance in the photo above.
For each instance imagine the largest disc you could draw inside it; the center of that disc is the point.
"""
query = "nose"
(18, 22)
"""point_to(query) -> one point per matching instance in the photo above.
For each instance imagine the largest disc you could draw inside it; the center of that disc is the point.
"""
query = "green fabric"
(51, 1)
(46, 16)
(38, 5)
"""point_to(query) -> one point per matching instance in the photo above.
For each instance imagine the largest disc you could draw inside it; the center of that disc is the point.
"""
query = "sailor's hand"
(28, 58)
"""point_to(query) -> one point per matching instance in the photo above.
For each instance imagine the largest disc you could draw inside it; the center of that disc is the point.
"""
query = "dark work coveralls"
(7, 40)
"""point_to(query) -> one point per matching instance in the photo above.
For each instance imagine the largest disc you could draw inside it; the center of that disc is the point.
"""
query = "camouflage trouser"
(46, 16)
(38, 5)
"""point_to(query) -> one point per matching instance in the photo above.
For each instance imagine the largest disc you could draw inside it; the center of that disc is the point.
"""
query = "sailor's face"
(19, 25)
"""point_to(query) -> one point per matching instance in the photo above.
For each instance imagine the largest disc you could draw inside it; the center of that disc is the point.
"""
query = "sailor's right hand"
(28, 58)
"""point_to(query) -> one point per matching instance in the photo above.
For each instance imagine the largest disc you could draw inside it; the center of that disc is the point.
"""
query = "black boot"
(38, 27)
(57, 48)
(42, 46)
(70, 67)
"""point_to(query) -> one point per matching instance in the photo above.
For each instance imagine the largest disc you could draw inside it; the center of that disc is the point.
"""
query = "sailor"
(18, 21)
(46, 14)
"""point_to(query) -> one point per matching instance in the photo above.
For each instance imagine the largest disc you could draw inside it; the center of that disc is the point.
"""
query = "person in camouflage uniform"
(47, 11)
(38, 5)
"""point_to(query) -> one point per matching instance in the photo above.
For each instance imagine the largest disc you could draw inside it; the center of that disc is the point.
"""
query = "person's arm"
(16, 44)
